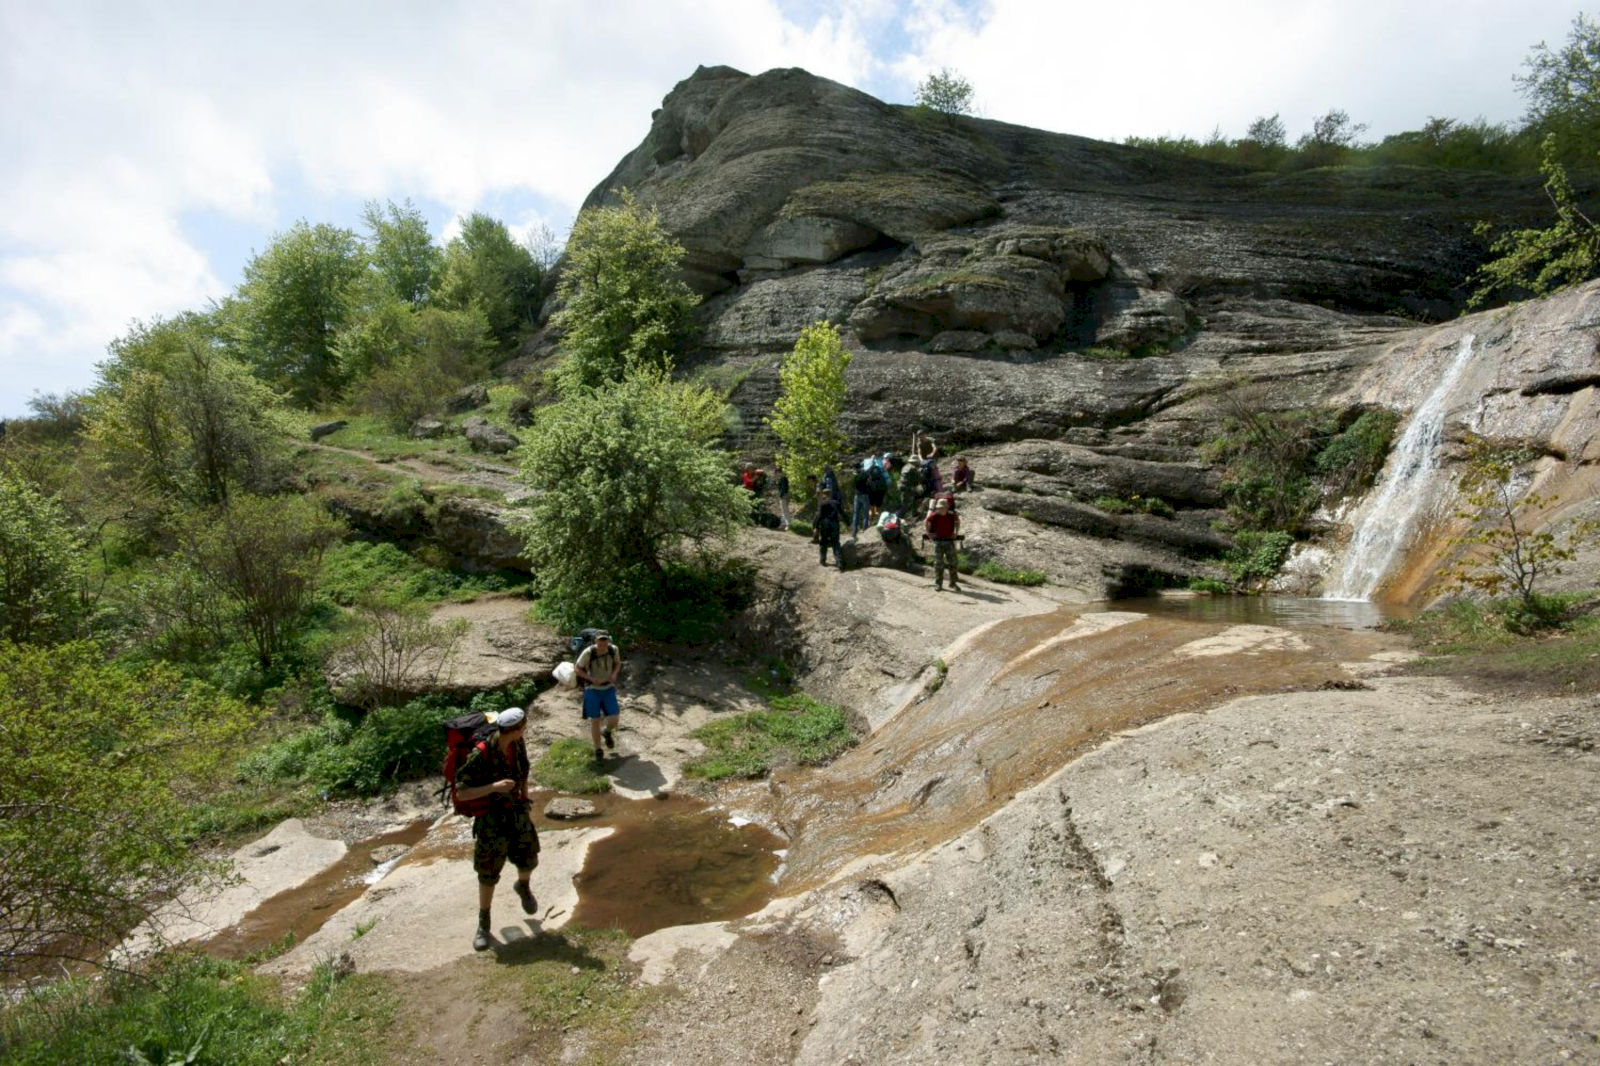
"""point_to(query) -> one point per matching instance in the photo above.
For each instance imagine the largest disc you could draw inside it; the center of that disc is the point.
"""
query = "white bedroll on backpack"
(566, 675)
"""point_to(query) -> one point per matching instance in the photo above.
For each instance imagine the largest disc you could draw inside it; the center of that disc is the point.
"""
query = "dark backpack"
(466, 738)
(878, 478)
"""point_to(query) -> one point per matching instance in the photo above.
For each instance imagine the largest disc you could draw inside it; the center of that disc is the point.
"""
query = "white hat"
(509, 719)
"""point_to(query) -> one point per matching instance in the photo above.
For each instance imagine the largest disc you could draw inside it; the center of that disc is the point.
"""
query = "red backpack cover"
(466, 738)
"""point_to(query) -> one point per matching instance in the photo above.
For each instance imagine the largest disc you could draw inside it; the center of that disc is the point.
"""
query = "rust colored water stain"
(303, 910)
(674, 862)
(1010, 713)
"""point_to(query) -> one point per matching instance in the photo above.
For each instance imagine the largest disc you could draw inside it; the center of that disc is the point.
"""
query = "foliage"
(1208, 584)
(1504, 554)
(402, 251)
(1562, 87)
(393, 647)
(41, 567)
(799, 528)
(1255, 556)
(623, 478)
(97, 766)
(623, 305)
(488, 271)
(578, 985)
(192, 1008)
(1267, 459)
(1497, 642)
(1538, 261)
(254, 565)
(357, 570)
(1351, 461)
(57, 415)
(796, 729)
(363, 756)
(177, 419)
(946, 93)
(1005, 575)
(1332, 136)
(805, 417)
(1135, 504)
(403, 361)
(568, 766)
(296, 297)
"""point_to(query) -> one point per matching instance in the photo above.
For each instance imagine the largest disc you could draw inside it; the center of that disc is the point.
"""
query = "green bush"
(1352, 459)
(1208, 584)
(386, 746)
(799, 528)
(1005, 575)
(796, 729)
(568, 766)
(1153, 505)
(1256, 556)
(195, 1009)
(357, 571)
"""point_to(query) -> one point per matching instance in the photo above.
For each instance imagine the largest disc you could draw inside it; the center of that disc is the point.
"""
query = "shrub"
(796, 729)
(1352, 459)
(1152, 505)
(393, 647)
(799, 528)
(805, 417)
(1256, 556)
(41, 567)
(1208, 584)
(568, 766)
(1005, 575)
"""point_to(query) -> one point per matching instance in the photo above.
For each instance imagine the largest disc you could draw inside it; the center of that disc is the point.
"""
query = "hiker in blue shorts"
(598, 668)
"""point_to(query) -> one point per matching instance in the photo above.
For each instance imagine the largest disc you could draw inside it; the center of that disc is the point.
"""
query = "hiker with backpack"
(827, 528)
(944, 526)
(597, 667)
(860, 516)
(486, 771)
(877, 487)
(783, 496)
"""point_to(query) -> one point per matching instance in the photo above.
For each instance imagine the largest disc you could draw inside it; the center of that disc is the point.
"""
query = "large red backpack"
(466, 738)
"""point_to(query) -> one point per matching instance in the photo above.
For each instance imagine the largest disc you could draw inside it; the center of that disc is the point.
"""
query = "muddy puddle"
(303, 910)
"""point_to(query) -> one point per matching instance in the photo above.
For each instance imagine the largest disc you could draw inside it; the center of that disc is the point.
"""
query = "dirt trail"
(474, 472)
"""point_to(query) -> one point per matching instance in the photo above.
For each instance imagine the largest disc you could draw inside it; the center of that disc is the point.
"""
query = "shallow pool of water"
(1285, 611)
(674, 862)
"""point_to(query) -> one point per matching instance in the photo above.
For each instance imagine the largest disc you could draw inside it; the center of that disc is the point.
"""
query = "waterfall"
(1394, 506)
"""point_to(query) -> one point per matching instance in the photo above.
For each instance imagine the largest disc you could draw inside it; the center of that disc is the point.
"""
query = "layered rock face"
(999, 284)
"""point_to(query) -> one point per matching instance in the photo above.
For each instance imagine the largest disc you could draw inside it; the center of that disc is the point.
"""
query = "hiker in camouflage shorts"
(506, 830)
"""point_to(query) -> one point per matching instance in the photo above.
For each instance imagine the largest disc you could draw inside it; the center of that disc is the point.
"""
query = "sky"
(148, 149)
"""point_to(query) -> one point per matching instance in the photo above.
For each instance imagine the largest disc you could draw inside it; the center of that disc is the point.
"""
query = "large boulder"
(326, 429)
(485, 436)
(467, 398)
(478, 534)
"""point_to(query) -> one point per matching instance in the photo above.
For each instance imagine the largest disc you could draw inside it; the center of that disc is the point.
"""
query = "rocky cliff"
(1063, 308)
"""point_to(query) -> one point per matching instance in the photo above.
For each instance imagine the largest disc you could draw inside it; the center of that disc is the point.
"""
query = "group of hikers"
(486, 768)
(886, 491)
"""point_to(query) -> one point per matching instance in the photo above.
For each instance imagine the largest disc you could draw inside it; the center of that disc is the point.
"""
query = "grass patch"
(202, 1010)
(1005, 575)
(358, 570)
(794, 729)
(568, 766)
(1102, 354)
(1135, 504)
(1208, 584)
(1495, 643)
(369, 433)
(799, 528)
(577, 983)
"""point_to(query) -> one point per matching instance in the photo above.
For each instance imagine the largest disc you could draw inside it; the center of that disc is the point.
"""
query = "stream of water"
(1403, 494)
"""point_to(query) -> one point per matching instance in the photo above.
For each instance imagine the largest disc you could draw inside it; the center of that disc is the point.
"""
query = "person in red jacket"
(944, 526)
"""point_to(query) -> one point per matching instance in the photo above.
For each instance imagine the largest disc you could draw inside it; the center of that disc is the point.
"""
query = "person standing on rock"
(598, 667)
(828, 521)
(860, 517)
(944, 526)
(500, 772)
(783, 496)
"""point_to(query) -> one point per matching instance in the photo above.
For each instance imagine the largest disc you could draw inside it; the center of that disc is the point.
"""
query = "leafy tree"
(624, 305)
(41, 567)
(1268, 131)
(544, 245)
(395, 649)
(1330, 140)
(945, 92)
(623, 477)
(401, 361)
(806, 414)
(176, 418)
(402, 251)
(1538, 261)
(98, 766)
(295, 298)
(1504, 553)
(1562, 87)
(485, 269)
(257, 561)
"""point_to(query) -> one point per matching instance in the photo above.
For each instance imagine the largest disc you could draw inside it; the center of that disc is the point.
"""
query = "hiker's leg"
(594, 729)
(489, 849)
(783, 510)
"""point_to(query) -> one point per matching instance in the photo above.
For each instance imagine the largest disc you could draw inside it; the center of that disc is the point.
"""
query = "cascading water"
(1393, 510)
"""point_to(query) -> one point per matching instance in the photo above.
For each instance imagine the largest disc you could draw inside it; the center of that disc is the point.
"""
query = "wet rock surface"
(566, 808)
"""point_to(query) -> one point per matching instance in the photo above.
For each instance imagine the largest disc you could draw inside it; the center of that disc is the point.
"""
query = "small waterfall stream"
(1401, 496)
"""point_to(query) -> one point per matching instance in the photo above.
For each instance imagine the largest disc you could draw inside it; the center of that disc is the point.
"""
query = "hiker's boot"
(611, 740)
(599, 757)
(530, 905)
(480, 939)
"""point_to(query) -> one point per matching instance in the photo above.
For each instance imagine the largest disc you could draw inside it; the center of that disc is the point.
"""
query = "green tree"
(625, 306)
(946, 93)
(296, 297)
(1538, 261)
(41, 567)
(1332, 137)
(1504, 552)
(806, 414)
(256, 563)
(623, 478)
(484, 268)
(1562, 88)
(175, 418)
(400, 361)
(402, 251)
(99, 765)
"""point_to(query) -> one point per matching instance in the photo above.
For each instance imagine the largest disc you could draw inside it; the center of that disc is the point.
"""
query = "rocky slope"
(986, 276)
